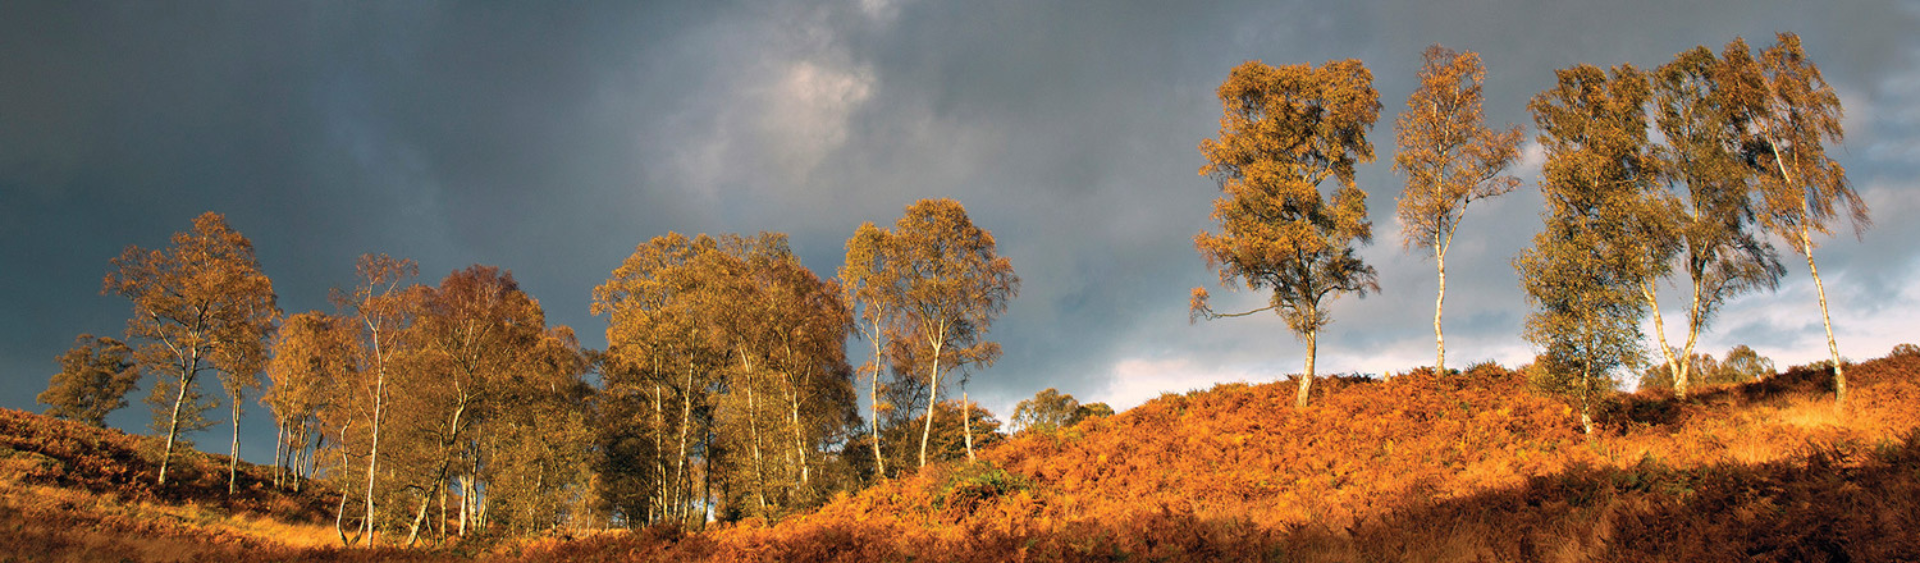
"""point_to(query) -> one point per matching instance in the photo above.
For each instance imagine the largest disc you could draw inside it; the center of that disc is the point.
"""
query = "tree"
(383, 308)
(1089, 411)
(1803, 190)
(1743, 364)
(201, 304)
(242, 365)
(808, 354)
(948, 416)
(953, 284)
(1283, 132)
(1721, 252)
(95, 376)
(1050, 410)
(537, 465)
(1047, 411)
(1583, 272)
(872, 291)
(1451, 160)
(663, 353)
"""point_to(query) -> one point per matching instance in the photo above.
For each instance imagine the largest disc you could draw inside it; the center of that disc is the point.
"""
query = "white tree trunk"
(1839, 371)
(1678, 369)
(1439, 303)
(1306, 381)
(933, 398)
(966, 421)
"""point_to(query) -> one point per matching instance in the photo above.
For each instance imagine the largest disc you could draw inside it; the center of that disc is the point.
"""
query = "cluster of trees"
(1741, 155)
(728, 357)
(407, 396)
(1741, 365)
(725, 391)
(413, 395)
(725, 367)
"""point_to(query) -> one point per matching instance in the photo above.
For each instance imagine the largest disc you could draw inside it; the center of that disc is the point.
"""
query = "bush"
(975, 484)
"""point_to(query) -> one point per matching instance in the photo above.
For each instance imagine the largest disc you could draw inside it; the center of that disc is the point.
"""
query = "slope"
(74, 492)
(1416, 467)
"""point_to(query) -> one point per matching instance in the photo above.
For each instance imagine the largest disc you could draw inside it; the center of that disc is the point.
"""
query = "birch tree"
(1284, 131)
(382, 303)
(313, 354)
(953, 284)
(1451, 159)
(1721, 250)
(1804, 191)
(201, 304)
(1585, 268)
(872, 291)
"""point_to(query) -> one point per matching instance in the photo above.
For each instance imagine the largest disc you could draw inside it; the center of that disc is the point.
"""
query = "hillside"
(1417, 467)
(71, 492)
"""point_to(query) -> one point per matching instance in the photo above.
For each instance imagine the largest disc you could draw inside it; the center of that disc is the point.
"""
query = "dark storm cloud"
(550, 139)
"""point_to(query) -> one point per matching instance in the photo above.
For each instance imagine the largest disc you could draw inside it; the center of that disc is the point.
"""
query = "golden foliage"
(1284, 131)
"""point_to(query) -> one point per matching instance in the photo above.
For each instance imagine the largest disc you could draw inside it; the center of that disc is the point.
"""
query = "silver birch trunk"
(933, 396)
(1439, 303)
(1306, 381)
(966, 421)
(1839, 371)
(180, 398)
(1676, 368)
(233, 452)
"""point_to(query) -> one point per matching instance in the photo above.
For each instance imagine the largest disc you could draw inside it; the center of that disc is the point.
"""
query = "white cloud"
(1132, 381)
(880, 11)
(803, 113)
(1533, 156)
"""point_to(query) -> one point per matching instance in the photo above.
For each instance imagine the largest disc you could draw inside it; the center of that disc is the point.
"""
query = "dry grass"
(1416, 468)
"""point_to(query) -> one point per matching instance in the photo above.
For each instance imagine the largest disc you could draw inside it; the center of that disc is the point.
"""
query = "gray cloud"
(552, 139)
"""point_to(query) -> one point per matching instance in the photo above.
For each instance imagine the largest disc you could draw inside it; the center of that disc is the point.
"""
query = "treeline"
(1688, 173)
(437, 410)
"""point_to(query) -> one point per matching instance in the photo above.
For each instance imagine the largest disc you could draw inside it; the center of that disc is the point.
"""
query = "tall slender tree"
(1451, 159)
(241, 366)
(472, 334)
(383, 304)
(1722, 253)
(1284, 131)
(953, 284)
(873, 290)
(661, 351)
(1585, 268)
(1804, 191)
(201, 304)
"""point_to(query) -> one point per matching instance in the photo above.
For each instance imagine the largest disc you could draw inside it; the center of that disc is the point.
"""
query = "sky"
(551, 139)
